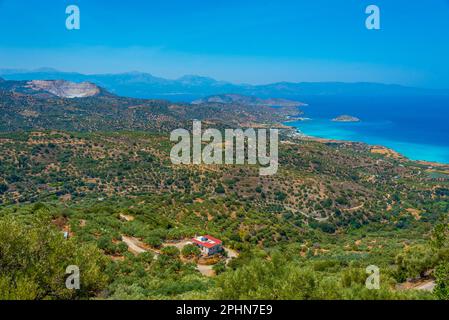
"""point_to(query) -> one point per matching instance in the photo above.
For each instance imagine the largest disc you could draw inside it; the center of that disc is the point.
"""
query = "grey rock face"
(65, 89)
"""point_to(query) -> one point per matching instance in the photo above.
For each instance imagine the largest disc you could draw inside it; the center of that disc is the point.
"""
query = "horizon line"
(51, 69)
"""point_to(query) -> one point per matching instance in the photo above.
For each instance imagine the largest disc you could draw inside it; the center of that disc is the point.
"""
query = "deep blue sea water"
(417, 127)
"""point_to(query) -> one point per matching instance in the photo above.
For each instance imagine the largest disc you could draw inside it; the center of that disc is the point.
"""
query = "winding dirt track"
(137, 247)
(134, 245)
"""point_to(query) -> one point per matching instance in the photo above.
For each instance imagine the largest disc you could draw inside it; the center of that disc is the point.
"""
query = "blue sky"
(251, 41)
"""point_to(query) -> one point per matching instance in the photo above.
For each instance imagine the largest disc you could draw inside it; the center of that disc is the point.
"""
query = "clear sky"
(252, 41)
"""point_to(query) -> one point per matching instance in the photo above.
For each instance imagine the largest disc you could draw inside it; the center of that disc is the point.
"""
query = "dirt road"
(428, 286)
(137, 247)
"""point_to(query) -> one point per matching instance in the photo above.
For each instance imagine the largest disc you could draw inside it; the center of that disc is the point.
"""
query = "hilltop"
(249, 101)
(65, 89)
(52, 88)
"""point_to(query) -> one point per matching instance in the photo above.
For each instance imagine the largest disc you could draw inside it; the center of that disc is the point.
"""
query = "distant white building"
(208, 245)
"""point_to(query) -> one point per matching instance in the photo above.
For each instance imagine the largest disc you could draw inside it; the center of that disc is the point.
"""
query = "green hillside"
(98, 170)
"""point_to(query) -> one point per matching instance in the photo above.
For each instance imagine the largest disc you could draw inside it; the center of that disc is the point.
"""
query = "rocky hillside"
(248, 100)
(62, 105)
(65, 89)
(52, 88)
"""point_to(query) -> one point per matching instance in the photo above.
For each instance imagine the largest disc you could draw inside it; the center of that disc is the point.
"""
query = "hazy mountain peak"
(193, 79)
(191, 87)
(8, 71)
(46, 69)
(138, 73)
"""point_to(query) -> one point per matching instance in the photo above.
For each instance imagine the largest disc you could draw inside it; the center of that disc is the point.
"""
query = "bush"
(154, 241)
(414, 262)
(219, 267)
(3, 188)
(442, 281)
(220, 189)
(34, 257)
(170, 251)
(190, 250)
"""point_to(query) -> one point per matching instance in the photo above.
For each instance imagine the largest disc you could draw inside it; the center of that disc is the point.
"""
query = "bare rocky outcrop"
(65, 89)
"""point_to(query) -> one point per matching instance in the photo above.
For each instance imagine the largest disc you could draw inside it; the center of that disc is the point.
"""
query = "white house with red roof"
(208, 245)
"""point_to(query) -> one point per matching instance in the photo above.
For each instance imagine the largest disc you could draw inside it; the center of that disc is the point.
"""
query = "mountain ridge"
(190, 87)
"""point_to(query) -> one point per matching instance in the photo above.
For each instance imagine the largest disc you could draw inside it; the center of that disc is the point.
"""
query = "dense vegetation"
(35, 255)
(68, 167)
(34, 258)
(86, 183)
(24, 109)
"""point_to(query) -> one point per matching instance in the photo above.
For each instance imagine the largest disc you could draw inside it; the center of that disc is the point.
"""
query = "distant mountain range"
(71, 90)
(190, 88)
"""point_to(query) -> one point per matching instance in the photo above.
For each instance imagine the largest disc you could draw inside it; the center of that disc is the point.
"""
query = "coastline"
(374, 148)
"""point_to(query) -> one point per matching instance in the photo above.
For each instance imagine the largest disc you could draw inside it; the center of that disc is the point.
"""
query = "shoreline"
(375, 149)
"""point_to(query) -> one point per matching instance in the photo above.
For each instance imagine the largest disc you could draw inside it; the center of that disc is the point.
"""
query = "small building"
(208, 245)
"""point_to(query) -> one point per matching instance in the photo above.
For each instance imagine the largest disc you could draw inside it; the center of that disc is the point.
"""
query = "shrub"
(170, 251)
(190, 250)
(34, 257)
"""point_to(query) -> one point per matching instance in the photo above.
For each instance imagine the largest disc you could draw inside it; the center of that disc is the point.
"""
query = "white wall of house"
(211, 251)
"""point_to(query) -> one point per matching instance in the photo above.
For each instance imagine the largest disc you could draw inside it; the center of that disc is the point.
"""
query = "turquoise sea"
(417, 127)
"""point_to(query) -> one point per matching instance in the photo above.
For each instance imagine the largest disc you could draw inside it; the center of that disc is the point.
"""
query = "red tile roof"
(208, 244)
(218, 241)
